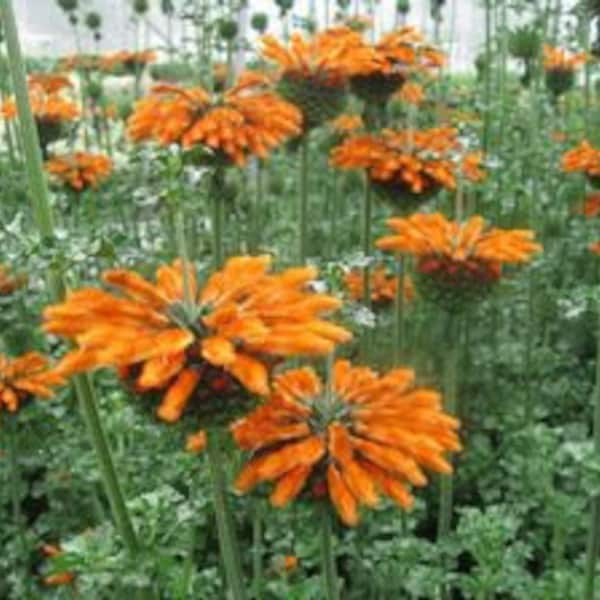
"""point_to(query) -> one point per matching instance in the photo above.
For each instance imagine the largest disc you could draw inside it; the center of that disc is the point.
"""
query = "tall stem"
(15, 485)
(217, 200)
(488, 75)
(327, 554)
(43, 216)
(303, 200)
(366, 250)
(593, 547)
(257, 550)
(227, 539)
(450, 405)
(399, 321)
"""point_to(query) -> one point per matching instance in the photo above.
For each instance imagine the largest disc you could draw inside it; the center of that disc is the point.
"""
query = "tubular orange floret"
(558, 59)
(383, 285)
(242, 319)
(372, 435)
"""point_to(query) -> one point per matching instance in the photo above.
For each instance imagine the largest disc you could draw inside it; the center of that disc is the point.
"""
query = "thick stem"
(327, 554)
(399, 321)
(227, 539)
(488, 75)
(43, 217)
(15, 485)
(217, 217)
(303, 200)
(450, 406)
(366, 250)
(257, 550)
(593, 546)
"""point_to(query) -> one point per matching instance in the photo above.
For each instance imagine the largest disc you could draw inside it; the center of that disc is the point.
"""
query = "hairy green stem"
(327, 554)
(15, 485)
(257, 550)
(366, 250)
(399, 320)
(303, 200)
(226, 533)
(43, 217)
(593, 546)
(218, 214)
(450, 406)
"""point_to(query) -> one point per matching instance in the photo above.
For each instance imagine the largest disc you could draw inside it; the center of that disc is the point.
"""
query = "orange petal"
(177, 396)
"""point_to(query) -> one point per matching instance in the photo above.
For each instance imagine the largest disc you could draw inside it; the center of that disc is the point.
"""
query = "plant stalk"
(227, 539)
(327, 554)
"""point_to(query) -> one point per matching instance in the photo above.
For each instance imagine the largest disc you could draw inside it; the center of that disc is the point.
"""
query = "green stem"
(217, 217)
(15, 486)
(257, 550)
(399, 321)
(43, 217)
(366, 250)
(227, 539)
(303, 200)
(488, 75)
(450, 406)
(593, 546)
(327, 554)
(256, 208)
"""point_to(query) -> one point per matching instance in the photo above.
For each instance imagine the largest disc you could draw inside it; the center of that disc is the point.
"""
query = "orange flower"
(383, 285)
(248, 119)
(557, 59)
(57, 579)
(81, 170)
(346, 124)
(84, 62)
(594, 248)
(10, 282)
(126, 59)
(584, 158)
(471, 167)
(413, 161)
(47, 108)
(25, 377)
(328, 58)
(242, 318)
(370, 435)
(49, 83)
(411, 93)
(196, 442)
(591, 207)
(463, 256)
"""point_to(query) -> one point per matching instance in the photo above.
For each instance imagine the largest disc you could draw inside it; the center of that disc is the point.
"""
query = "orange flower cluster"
(80, 170)
(242, 318)
(558, 59)
(369, 435)
(49, 83)
(383, 285)
(48, 108)
(416, 161)
(594, 248)
(401, 51)
(126, 59)
(583, 158)
(83, 62)
(459, 251)
(247, 120)
(411, 93)
(24, 377)
(328, 58)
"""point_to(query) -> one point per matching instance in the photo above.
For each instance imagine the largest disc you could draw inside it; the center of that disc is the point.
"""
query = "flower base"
(317, 101)
(559, 81)
(401, 199)
(378, 87)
